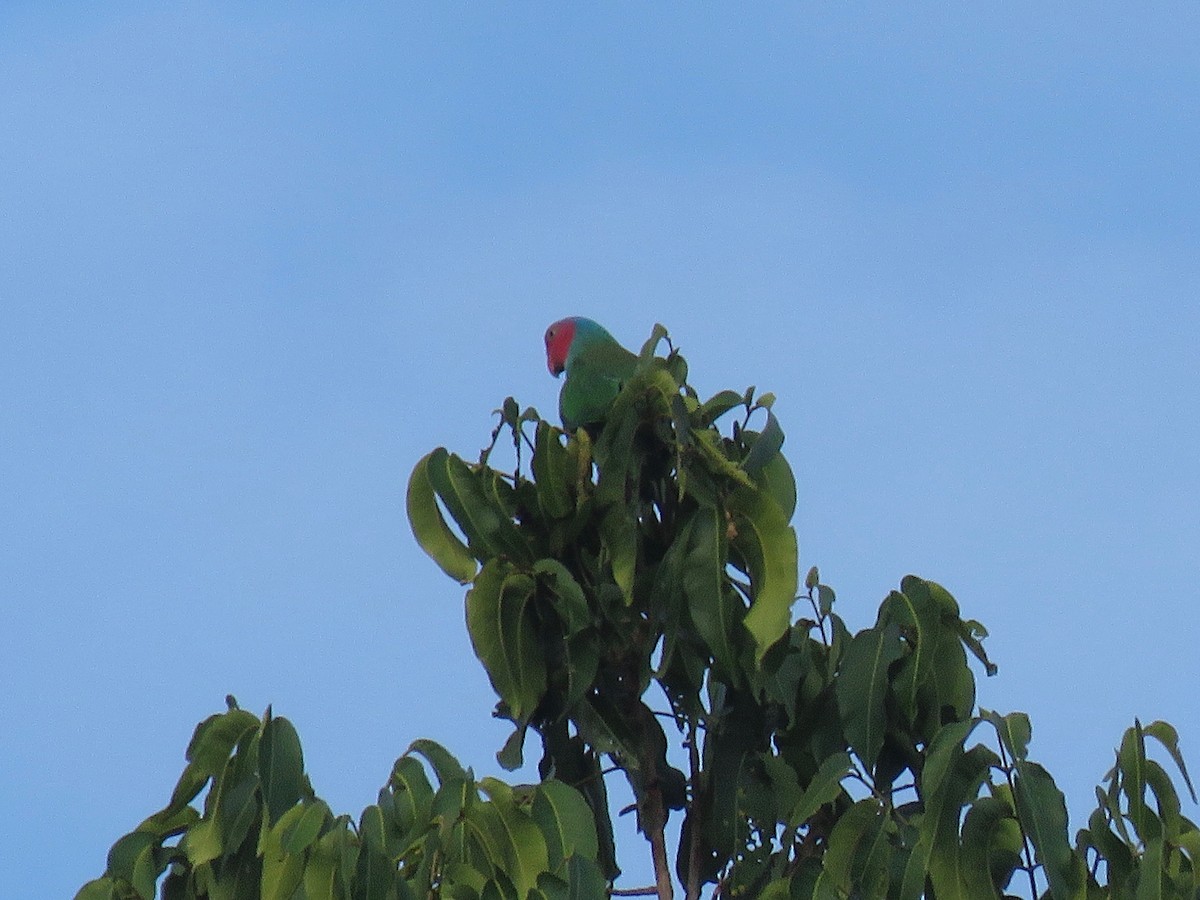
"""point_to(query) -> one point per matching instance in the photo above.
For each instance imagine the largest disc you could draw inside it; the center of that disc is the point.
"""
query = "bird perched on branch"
(595, 364)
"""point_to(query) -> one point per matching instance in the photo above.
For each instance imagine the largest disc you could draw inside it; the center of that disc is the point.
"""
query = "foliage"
(263, 832)
(655, 551)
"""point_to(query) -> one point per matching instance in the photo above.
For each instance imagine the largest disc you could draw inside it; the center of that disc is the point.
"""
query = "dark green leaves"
(431, 530)
(1150, 848)
(571, 603)
(480, 502)
(859, 857)
(825, 787)
(413, 843)
(280, 767)
(714, 613)
(862, 686)
(1043, 816)
(504, 635)
(767, 544)
(991, 847)
(654, 545)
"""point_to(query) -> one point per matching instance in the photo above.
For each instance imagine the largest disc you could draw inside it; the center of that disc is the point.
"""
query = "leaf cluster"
(650, 562)
(262, 832)
(655, 551)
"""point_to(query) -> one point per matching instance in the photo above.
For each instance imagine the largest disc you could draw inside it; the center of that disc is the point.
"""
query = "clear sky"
(255, 263)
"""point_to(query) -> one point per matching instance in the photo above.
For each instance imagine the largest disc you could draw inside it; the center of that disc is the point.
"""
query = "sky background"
(255, 263)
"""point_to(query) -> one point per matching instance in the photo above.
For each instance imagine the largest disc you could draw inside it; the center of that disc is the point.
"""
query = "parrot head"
(567, 337)
(559, 337)
(596, 367)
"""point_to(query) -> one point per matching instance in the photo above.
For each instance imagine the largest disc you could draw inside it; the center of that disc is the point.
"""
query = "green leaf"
(1131, 760)
(777, 890)
(862, 685)
(453, 798)
(777, 481)
(566, 822)
(239, 809)
(919, 619)
(709, 605)
(1165, 734)
(124, 853)
(572, 605)
(146, 870)
(282, 871)
(945, 603)
(131, 858)
(969, 633)
(768, 545)
(374, 877)
(512, 755)
(766, 446)
(571, 760)
(98, 889)
(782, 784)
(554, 472)
(942, 754)
(859, 854)
(445, 766)
(717, 406)
(579, 668)
(280, 767)
(501, 626)
(597, 732)
(1189, 842)
(208, 752)
(1043, 815)
(321, 868)
(647, 352)
(712, 451)
(304, 830)
(825, 787)
(373, 829)
(1150, 874)
(472, 497)
(825, 599)
(230, 807)
(585, 879)
(1118, 855)
(1166, 798)
(618, 531)
(986, 835)
(412, 797)
(525, 849)
(430, 529)
(950, 780)
(487, 846)
(1013, 730)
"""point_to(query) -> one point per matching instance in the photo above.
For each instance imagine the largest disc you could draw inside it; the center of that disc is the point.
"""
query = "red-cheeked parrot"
(596, 367)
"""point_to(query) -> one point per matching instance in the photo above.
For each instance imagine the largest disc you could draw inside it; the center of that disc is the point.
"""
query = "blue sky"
(257, 263)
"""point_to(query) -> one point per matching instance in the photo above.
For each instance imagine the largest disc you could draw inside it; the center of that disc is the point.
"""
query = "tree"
(651, 561)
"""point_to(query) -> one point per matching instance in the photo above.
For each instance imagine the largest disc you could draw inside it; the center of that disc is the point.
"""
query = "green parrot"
(596, 367)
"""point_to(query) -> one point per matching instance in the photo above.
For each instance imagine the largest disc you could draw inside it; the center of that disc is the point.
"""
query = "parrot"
(596, 367)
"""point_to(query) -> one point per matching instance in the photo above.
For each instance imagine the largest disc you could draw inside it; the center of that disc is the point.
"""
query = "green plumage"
(594, 378)
(596, 367)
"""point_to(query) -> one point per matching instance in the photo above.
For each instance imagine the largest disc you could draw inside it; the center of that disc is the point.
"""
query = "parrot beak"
(556, 368)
